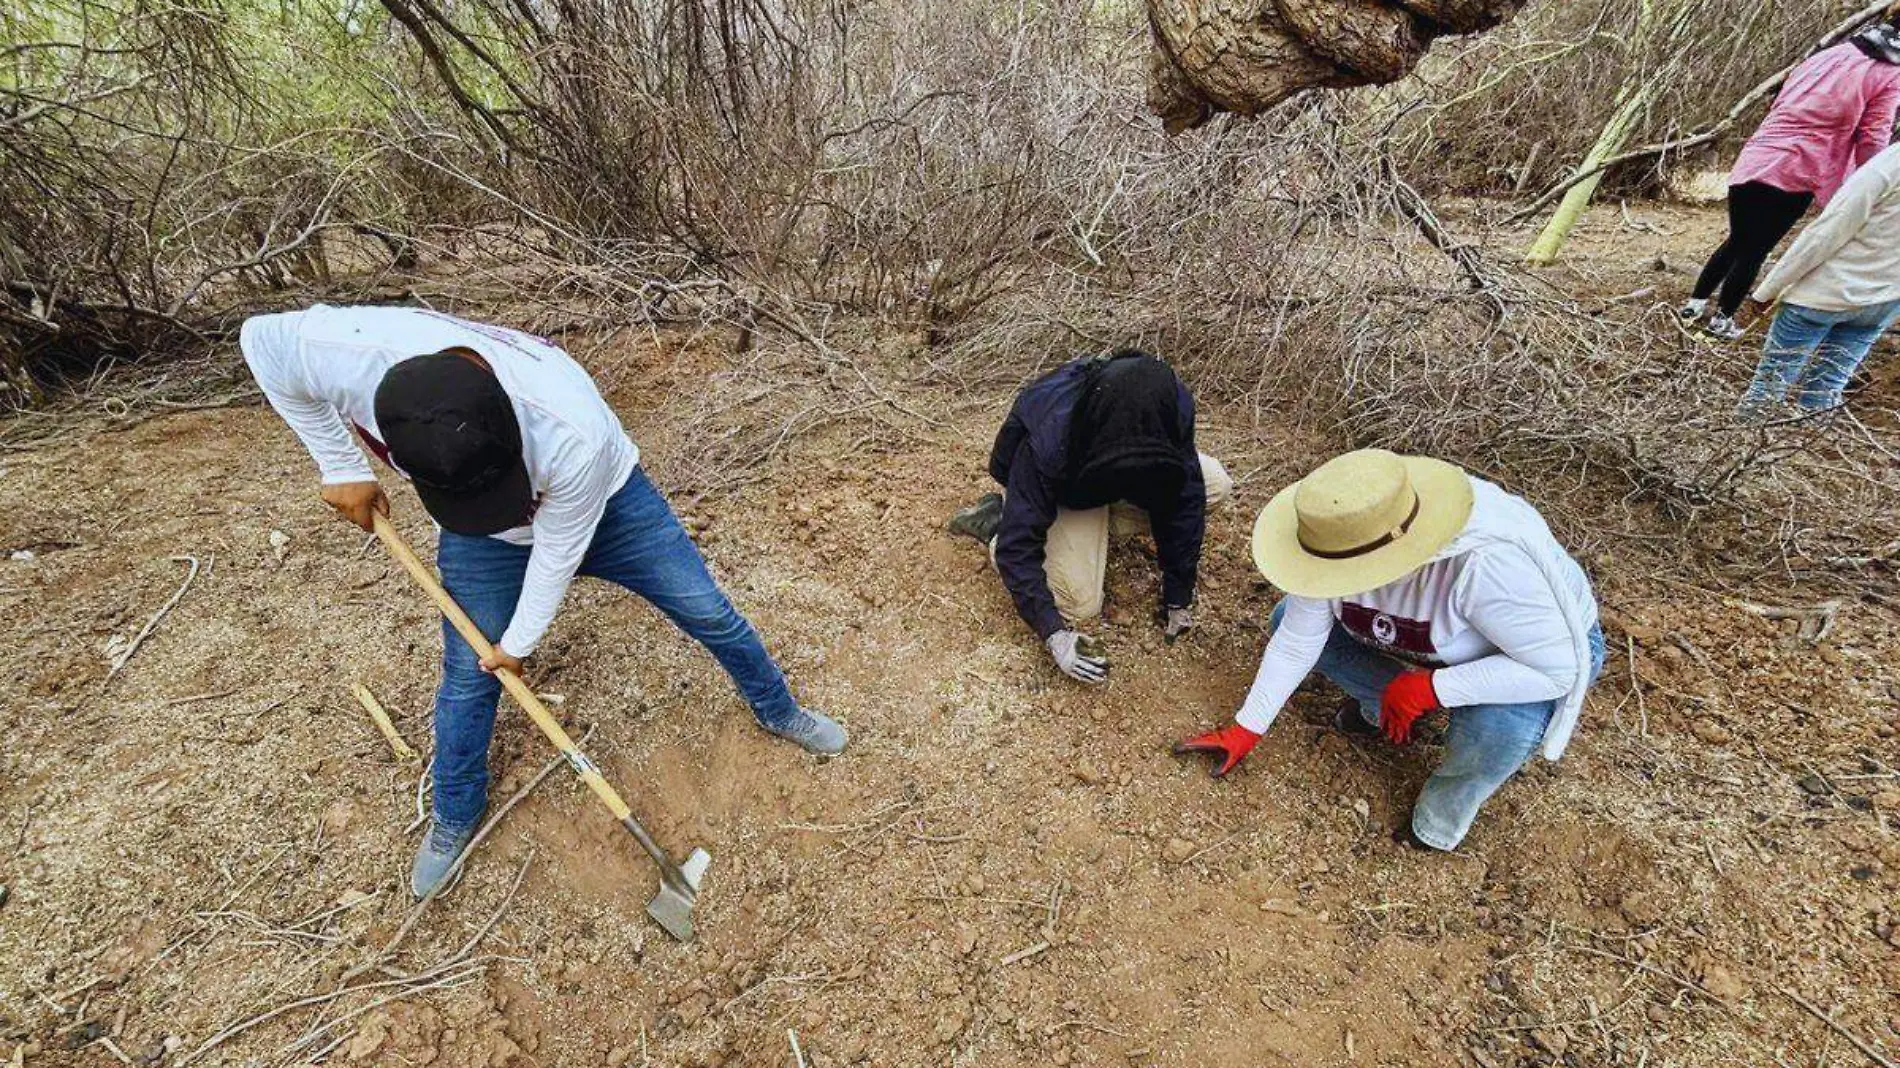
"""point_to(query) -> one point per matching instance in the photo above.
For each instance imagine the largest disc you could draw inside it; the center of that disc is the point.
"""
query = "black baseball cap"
(452, 429)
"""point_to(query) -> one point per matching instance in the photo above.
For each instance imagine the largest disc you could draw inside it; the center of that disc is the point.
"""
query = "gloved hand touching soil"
(1406, 698)
(1079, 656)
(1231, 743)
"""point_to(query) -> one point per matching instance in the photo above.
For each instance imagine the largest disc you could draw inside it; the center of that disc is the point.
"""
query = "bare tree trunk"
(1245, 56)
(1544, 251)
(1653, 36)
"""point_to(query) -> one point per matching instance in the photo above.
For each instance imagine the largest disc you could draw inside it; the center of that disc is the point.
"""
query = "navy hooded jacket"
(1031, 460)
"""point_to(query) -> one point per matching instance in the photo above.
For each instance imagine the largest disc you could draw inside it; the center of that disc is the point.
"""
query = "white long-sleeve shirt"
(1849, 257)
(320, 369)
(1500, 615)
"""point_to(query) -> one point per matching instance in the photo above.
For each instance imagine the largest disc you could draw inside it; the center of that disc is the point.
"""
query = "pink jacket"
(1835, 113)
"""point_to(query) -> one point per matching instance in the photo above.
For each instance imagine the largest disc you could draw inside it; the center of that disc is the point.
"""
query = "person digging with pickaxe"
(531, 479)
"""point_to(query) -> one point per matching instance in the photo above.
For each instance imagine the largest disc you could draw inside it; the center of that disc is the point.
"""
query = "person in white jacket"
(1839, 290)
(1414, 586)
(531, 480)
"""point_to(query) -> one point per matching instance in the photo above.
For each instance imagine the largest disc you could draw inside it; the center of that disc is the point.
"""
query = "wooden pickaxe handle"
(585, 768)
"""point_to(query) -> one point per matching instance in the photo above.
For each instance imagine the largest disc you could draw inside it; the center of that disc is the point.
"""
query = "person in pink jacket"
(1835, 112)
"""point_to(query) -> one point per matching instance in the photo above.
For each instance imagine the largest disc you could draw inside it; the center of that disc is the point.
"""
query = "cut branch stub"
(1245, 56)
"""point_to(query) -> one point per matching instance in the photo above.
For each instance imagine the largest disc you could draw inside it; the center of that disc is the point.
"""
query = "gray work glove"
(1176, 622)
(1079, 657)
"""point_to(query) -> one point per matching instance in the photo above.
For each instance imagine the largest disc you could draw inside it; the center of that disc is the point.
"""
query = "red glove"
(1231, 742)
(1406, 698)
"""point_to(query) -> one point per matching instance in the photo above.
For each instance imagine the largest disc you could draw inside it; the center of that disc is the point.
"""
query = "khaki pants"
(1075, 557)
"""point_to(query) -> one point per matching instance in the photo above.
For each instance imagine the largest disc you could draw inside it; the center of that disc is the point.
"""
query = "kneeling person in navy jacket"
(1101, 442)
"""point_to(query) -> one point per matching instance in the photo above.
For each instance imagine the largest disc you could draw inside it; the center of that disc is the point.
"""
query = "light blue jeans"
(1484, 746)
(639, 545)
(1813, 353)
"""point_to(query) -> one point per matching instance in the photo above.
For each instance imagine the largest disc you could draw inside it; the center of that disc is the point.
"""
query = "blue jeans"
(639, 545)
(1484, 746)
(1814, 353)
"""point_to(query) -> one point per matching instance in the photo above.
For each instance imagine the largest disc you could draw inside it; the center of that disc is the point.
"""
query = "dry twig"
(152, 624)
(1873, 1055)
(383, 723)
(415, 914)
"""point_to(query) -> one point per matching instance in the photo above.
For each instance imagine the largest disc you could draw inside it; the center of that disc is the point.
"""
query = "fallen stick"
(1686, 984)
(176, 701)
(798, 1055)
(1768, 87)
(267, 1015)
(415, 914)
(494, 918)
(475, 967)
(152, 623)
(1021, 955)
(383, 723)
(1872, 1054)
(1816, 620)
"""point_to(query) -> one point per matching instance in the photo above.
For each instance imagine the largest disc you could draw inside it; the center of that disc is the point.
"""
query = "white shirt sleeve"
(1508, 600)
(272, 357)
(1291, 654)
(563, 529)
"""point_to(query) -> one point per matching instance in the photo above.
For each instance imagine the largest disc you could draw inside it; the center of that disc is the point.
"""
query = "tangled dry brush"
(975, 184)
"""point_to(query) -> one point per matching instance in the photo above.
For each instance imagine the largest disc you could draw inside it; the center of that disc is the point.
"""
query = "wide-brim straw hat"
(1360, 521)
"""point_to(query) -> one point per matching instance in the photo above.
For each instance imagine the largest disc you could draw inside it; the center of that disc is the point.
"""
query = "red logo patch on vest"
(1407, 639)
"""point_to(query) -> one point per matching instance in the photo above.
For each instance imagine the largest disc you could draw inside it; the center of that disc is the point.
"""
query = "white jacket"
(1502, 614)
(320, 369)
(1849, 257)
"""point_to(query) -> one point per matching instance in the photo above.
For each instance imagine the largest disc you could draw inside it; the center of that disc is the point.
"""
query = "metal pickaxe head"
(672, 905)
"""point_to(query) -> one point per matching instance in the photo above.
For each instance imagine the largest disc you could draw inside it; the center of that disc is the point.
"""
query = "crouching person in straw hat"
(1100, 443)
(532, 481)
(1414, 586)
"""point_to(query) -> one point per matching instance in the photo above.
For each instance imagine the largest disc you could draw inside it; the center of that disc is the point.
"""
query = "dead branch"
(1873, 1055)
(1816, 620)
(1767, 88)
(152, 623)
(415, 914)
(493, 918)
(371, 705)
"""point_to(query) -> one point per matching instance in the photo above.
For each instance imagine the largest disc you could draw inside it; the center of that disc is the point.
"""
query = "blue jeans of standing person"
(639, 545)
(1813, 353)
(1484, 746)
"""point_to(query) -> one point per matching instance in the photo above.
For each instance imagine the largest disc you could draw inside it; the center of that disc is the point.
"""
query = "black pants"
(1759, 216)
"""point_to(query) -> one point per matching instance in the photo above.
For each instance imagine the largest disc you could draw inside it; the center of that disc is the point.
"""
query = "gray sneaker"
(436, 857)
(814, 732)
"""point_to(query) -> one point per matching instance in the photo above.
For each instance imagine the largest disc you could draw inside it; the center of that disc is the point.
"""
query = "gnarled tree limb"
(1245, 56)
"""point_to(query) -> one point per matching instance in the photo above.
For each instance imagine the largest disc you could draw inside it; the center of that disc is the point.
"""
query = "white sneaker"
(1724, 328)
(1692, 309)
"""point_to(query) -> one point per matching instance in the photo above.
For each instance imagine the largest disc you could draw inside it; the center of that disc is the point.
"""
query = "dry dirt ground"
(1005, 868)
